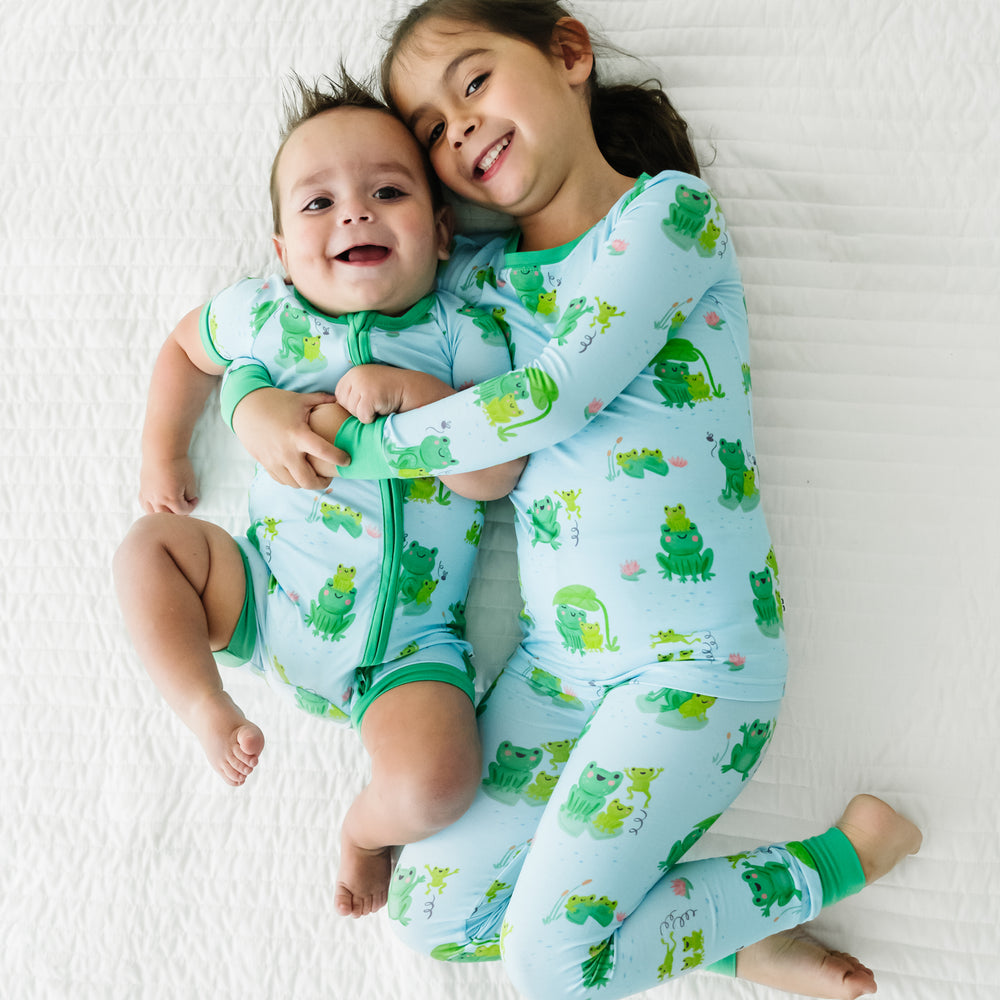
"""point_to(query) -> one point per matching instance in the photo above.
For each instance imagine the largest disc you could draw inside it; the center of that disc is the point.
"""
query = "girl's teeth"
(491, 157)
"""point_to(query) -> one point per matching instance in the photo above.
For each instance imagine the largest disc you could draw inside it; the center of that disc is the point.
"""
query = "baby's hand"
(168, 486)
(369, 391)
(273, 425)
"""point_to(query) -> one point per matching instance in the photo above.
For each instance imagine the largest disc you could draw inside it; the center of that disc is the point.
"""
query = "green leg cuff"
(834, 857)
(724, 967)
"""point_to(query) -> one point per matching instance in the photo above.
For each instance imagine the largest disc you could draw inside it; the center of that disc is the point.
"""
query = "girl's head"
(447, 58)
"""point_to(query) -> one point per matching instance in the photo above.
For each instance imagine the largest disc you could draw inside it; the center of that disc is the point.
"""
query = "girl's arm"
(648, 272)
(182, 379)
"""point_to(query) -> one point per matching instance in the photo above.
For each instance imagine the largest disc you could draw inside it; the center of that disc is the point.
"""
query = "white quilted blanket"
(855, 145)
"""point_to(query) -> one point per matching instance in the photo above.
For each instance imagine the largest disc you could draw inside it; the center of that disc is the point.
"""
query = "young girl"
(648, 682)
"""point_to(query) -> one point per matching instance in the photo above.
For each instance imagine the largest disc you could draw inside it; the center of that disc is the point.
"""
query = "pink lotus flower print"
(631, 570)
(677, 462)
(617, 247)
(593, 408)
(713, 320)
(737, 661)
(681, 887)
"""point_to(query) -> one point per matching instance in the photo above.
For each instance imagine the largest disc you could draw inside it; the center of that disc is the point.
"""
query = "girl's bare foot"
(879, 835)
(796, 962)
(231, 743)
(363, 879)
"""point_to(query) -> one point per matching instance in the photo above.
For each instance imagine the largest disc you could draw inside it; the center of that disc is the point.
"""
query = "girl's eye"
(476, 83)
(318, 204)
(388, 193)
(435, 133)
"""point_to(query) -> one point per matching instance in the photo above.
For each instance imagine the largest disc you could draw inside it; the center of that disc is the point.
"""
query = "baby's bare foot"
(879, 835)
(231, 743)
(796, 962)
(363, 879)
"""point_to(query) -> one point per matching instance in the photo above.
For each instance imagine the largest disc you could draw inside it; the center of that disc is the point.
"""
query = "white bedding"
(855, 145)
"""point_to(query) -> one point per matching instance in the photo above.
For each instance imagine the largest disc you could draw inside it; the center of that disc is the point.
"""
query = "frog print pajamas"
(360, 587)
(652, 610)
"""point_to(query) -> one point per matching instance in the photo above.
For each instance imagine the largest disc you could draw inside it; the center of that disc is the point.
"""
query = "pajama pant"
(568, 866)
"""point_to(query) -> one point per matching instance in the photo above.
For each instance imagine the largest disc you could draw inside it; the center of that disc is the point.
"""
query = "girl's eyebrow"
(449, 72)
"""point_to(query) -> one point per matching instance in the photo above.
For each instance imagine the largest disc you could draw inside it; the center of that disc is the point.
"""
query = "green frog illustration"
(439, 878)
(544, 523)
(404, 881)
(687, 216)
(580, 908)
(335, 517)
(605, 314)
(672, 383)
(298, 347)
(416, 461)
(766, 602)
(640, 780)
(740, 488)
(682, 555)
(745, 754)
(589, 795)
(771, 883)
(415, 578)
(610, 821)
(575, 311)
(329, 614)
(512, 770)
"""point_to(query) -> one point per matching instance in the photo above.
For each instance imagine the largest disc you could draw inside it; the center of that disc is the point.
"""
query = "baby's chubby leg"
(181, 587)
(426, 764)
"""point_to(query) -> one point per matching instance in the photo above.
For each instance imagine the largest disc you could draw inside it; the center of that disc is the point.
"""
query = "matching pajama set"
(648, 681)
(361, 587)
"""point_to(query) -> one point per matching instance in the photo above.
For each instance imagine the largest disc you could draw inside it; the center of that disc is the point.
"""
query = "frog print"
(640, 778)
(570, 498)
(610, 821)
(329, 614)
(672, 383)
(511, 772)
(596, 970)
(669, 635)
(549, 686)
(694, 950)
(684, 555)
(698, 387)
(746, 754)
(415, 582)
(676, 518)
(590, 632)
(544, 524)
(493, 329)
(528, 282)
(605, 314)
(739, 489)
(502, 410)
(426, 489)
(637, 463)
(335, 517)
(480, 277)
(313, 703)
(559, 750)
(568, 621)
(682, 710)
(681, 847)
(766, 603)
(547, 307)
(581, 908)
(439, 878)
(687, 216)
(575, 311)
(708, 238)
(771, 883)
(665, 970)
(540, 790)
(404, 881)
(298, 347)
(417, 461)
(588, 797)
(344, 577)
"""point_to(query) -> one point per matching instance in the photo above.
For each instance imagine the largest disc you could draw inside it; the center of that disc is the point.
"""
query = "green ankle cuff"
(724, 967)
(834, 857)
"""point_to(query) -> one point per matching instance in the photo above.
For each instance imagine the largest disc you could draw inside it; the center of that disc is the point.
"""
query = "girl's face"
(498, 116)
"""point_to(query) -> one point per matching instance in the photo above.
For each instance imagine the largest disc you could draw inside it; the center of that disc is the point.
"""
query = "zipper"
(359, 349)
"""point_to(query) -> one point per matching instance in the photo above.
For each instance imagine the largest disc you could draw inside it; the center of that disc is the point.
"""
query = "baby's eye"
(388, 193)
(476, 83)
(318, 204)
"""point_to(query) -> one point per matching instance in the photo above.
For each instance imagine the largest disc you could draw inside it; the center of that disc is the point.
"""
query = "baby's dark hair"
(303, 101)
(637, 129)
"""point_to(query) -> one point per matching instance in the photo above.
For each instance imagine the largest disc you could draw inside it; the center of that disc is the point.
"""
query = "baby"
(351, 599)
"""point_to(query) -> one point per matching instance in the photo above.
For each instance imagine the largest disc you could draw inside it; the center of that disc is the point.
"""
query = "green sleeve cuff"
(724, 967)
(834, 857)
(238, 384)
(363, 442)
(207, 341)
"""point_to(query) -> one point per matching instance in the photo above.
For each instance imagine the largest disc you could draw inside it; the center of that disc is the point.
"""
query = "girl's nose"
(463, 135)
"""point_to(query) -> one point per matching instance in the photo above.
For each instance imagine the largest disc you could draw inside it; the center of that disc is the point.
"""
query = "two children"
(351, 600)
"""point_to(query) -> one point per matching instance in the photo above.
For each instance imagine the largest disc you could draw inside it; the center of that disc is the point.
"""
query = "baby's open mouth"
(366, 253)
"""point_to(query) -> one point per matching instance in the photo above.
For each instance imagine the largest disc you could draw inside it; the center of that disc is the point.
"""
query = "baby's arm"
(182, 379)
(369, 391)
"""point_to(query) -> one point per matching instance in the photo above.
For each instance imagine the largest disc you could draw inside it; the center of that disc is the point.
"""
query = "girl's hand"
(168, 486)
(370, 391)
(273, 425)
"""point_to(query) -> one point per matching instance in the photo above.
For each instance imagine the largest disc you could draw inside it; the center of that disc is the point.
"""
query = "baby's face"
(359, 228)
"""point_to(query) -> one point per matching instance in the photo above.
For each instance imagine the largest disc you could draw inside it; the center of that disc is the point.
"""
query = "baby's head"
(359, 221)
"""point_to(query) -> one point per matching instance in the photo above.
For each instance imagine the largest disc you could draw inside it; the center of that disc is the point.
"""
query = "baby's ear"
(571, 45)
(279, 249)
(444, 223)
